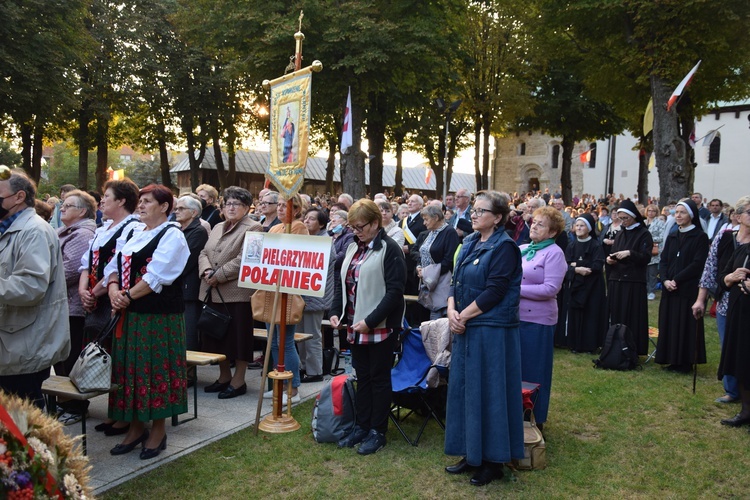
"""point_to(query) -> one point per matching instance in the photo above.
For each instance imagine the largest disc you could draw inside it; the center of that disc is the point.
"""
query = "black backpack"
(619, 351)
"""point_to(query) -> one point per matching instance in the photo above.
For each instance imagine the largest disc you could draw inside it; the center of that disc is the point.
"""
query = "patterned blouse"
(711, 272)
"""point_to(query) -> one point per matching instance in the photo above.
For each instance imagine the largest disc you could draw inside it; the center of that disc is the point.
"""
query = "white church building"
(531, 160)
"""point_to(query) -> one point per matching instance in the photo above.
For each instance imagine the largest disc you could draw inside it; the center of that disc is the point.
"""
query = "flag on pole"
(682, 86)
(427, 175)
(648, 118)
(346, 129)
(586, 156)
(691, 139)
(709, 138)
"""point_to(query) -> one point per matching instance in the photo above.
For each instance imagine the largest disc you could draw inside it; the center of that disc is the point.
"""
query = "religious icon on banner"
(290, 124)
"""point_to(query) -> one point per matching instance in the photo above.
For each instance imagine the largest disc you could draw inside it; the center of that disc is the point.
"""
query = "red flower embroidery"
(158, 402)
(142, 391)
(162, 388)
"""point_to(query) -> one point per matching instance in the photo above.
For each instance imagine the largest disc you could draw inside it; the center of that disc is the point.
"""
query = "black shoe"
(122, 449)
(255, 365)
(116, 431)
(375, 442)
(355, 437)
(216, 386)
(460, 467)
(487, 473)
(104, 426)
(736, 421)
(311, 378)
(230, 392)
(148, 453)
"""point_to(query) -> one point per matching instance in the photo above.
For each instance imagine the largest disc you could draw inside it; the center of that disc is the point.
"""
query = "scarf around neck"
(531, 250)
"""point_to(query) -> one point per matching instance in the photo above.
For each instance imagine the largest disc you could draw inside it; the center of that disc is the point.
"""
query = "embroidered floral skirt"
(148, 365)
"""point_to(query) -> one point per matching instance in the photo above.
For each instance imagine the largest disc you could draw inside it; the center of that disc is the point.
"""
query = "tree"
(8, 156)
(645, 44)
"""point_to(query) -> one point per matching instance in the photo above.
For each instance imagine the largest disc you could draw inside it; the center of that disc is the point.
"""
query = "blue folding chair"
(410, 390)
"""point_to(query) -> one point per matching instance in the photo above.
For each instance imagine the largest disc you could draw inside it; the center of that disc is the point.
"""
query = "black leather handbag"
(212, 322)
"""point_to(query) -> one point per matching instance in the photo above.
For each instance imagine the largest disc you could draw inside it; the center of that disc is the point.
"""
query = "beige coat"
(223, 253)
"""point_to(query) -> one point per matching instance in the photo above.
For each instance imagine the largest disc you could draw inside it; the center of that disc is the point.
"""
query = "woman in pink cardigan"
(544, 268)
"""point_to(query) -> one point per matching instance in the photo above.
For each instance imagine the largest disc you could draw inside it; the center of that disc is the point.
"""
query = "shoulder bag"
(213, 322)
(262, 305)
(92, 370)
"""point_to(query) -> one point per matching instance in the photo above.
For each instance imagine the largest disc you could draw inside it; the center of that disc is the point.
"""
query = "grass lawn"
(640, 434)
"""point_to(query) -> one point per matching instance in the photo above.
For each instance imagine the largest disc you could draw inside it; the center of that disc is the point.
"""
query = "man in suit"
(716, 218)
(462, 210)
(412, 225)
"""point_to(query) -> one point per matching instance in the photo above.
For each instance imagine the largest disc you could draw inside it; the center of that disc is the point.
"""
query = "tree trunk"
(454, 136)
(398, 183)
(331, 164)
(670, 150)
(439, 168)
(567, 166)
(353, 161)
(102, 150)
(84, 118)
(166, 178)
(218, 157)
(477, 150)
(36, 152)
(376, 142)
(195, 162)
(26, 148)
(486, 126)
(643, 156)
(231, 155)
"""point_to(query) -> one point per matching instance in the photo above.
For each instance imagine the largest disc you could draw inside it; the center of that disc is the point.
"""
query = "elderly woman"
(219, 267)
(342, 235)
(681, 341)
(148, 349)
(544, 268)
(584, 316)
(291, 357)
(77, 213)
(657, 228)
(719, 254)
(188, 215)
(392, 229)
(626, 274)
(484, 416)
(210, 197)
(373, 313)
(435, 247)
(734, 278)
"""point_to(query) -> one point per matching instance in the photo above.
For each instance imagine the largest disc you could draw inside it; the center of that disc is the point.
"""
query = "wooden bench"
(261, 333)
(411, 298)
(197, 358)
(57, 386)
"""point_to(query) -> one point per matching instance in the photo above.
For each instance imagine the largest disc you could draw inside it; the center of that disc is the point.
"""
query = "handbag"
(262, 305)
(92, 370)
(655, 249)
(212, 322)
(435, 288)
(534, 447)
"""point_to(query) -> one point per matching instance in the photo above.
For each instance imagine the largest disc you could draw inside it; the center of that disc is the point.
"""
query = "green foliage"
(8, 156)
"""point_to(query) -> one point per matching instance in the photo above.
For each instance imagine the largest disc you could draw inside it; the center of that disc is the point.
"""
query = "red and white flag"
(691, 139)
(346, 129)
(427, 175)
(586, 156)
(682, 86)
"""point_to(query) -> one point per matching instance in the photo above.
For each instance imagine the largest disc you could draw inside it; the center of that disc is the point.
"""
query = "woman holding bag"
(434, 252)
(148, 348)
(219, 267)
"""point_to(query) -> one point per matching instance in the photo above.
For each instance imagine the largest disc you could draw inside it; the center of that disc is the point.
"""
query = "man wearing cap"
(626, 274)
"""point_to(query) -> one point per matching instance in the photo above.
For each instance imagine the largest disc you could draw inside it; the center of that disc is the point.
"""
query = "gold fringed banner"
(290, 130)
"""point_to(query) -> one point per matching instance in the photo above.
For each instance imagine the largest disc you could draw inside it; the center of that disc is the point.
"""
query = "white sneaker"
(268, 394)
(295, 399)
(651, 296)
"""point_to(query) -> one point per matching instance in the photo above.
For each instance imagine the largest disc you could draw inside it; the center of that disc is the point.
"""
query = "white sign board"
(299, 263)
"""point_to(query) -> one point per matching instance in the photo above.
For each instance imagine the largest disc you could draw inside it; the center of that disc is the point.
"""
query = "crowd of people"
(515, 276)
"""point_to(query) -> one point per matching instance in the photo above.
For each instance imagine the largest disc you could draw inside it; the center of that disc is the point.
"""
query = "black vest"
(169, 300)
(107, 250)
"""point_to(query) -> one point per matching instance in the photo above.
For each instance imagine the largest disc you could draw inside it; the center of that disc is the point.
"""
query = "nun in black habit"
(585, 312)
(681, 339)
(626, 275)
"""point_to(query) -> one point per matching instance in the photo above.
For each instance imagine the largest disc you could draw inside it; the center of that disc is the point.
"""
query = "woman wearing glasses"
(219, 267)
(369, 298)
(484, 416)
(268, 208)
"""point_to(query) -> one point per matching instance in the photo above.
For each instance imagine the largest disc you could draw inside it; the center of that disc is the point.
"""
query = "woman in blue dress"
(484, 417)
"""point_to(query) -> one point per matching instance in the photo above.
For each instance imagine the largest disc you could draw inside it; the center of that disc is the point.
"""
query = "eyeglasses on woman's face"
(233, 204)
(67, 206)
(480, 211)
(358, 228)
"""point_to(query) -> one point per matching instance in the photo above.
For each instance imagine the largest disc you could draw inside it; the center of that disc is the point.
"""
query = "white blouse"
(168, 260)
(103, 235)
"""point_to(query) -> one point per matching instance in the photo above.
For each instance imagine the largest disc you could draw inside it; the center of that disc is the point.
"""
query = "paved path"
(217, 419)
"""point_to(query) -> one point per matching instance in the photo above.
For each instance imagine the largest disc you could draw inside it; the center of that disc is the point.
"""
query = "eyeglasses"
(66, 206)
(358, 229)
(480, 211)
(234, 204)
(266, 203)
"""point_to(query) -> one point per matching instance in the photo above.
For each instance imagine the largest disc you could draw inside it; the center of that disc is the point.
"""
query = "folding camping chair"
(410, 388)
(653, 336)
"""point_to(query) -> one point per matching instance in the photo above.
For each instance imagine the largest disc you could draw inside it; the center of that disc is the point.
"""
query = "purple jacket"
(542, 279)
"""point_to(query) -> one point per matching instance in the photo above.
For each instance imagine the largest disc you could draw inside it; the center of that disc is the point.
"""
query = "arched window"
(522, 149)
(592, 161)
(714, 150)
(556, 156)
